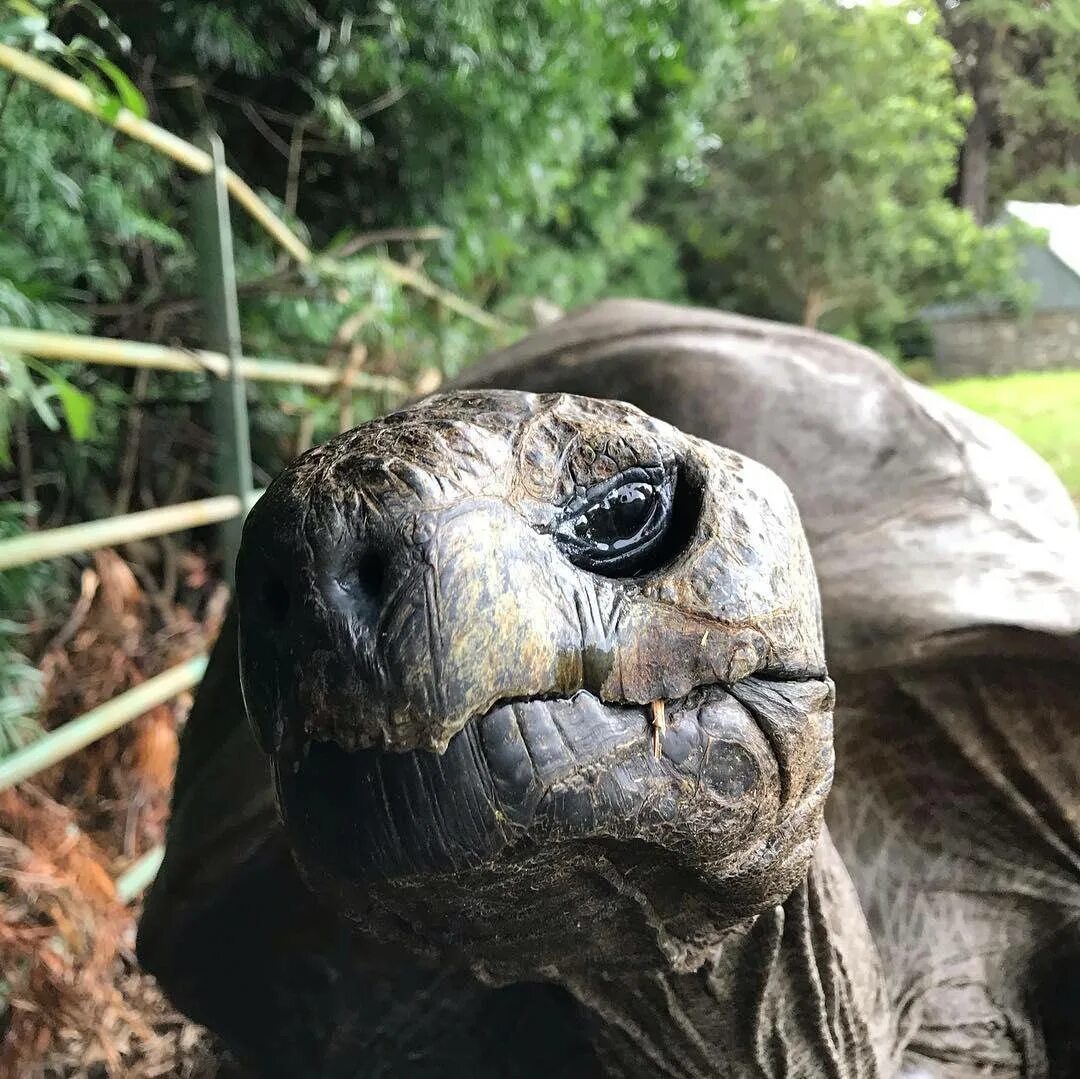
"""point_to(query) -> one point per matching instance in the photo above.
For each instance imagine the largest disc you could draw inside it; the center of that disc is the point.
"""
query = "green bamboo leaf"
(78, 408)
(43, 41)
(39, 399)
(24, 390)
(109, 106)
(126, 90)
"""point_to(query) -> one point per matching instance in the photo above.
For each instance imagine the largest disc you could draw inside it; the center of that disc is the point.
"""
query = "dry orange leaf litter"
(73, 1002)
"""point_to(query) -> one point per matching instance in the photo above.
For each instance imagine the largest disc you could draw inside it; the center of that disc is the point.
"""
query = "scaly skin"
(684, 898)
(948, 556)
(953, 807)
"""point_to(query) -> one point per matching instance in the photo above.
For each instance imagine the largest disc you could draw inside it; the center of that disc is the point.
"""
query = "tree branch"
(382, 236)
(292, 173)
(26, 470)
(260, 125)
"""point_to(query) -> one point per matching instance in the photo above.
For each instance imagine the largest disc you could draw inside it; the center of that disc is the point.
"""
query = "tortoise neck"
(796, 991)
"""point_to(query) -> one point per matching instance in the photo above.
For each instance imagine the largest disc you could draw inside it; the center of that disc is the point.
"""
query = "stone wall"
(994, 345)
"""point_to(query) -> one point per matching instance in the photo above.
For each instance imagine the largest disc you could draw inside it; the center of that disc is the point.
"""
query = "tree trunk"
(813, 307)
(975, 165)
(980, 44)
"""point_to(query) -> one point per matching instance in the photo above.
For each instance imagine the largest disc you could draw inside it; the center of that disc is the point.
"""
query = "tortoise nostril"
(276, 598)
(363, 582)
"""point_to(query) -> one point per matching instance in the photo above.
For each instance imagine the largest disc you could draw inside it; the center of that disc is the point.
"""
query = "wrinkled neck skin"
(796, 991)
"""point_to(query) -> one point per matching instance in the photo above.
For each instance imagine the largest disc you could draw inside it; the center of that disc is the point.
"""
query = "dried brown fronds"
(73, 1002)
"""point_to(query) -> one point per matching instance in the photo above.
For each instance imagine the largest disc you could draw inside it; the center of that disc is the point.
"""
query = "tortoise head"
(534, 669)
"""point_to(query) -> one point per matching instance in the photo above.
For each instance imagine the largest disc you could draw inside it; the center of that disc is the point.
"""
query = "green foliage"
(51, 393)
(1019, 59)
(27, 24)
(530, 131)
(20, 682)
(824, 197)
(76, 204)
(536, 138)
(76, 199)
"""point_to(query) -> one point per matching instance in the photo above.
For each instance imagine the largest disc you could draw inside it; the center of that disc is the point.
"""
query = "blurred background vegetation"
(839, 164)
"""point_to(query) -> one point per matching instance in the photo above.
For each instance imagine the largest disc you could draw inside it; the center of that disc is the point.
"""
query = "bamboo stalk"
(110, 531)
(46, 345)
(405, 275)
(165, 142)
(242, 192)
(198, 160)
(75, 93)
(192, 157)
(78, 733)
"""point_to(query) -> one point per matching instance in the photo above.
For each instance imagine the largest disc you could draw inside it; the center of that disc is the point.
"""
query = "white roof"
(1060, 221)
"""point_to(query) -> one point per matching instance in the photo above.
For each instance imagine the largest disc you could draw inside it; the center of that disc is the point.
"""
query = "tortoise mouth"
(542, 771)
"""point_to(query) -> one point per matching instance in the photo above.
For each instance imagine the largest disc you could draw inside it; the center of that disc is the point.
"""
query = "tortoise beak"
(531, 771)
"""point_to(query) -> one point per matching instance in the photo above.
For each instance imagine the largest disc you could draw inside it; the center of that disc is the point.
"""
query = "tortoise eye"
(616, 529)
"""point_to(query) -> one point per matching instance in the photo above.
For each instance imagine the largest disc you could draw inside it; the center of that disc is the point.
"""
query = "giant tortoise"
(541, 730)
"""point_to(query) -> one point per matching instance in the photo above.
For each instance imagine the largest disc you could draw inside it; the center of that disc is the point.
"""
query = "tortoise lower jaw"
(537, 772)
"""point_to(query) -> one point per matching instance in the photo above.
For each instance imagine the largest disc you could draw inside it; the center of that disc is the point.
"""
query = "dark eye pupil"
(632, 525)
(616, 521)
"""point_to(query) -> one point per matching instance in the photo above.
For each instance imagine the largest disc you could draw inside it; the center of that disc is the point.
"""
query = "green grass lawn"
(1042, 408)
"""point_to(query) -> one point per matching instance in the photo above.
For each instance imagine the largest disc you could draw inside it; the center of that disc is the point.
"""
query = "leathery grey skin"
(948, 557)
(949, 562)
(459, 728)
